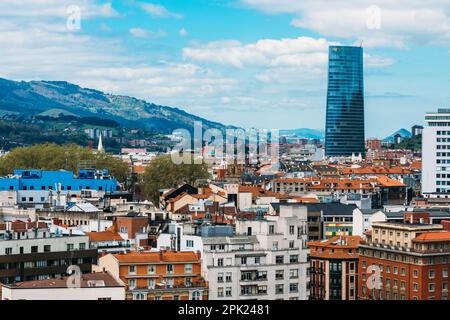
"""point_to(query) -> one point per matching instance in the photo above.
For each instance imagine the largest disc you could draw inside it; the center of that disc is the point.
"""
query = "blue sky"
(251, 63)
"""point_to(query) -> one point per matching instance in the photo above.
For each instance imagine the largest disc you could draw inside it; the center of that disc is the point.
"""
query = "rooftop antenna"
(362, 41)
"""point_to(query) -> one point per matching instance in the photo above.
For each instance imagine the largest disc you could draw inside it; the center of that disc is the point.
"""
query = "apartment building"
(162, 275)
(91, 286)
(407, 260)
(266, 259)
(29, 251)
(334, 268)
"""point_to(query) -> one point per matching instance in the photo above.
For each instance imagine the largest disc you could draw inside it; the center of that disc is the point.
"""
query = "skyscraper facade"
(344, 134)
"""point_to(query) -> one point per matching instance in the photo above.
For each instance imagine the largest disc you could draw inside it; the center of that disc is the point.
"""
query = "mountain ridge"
(31, 98)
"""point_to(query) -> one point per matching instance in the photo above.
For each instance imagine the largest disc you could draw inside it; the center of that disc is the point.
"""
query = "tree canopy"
(162, 173)
(56, 157)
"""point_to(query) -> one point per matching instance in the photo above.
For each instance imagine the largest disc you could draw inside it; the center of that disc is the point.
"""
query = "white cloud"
(401, 22)
(147, 34)
(159, 11)
(183, 32)
(300, 52)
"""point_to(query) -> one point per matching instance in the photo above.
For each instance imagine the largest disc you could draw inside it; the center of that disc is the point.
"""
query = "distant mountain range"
(304, 133)
(54, 98)
(402, 132)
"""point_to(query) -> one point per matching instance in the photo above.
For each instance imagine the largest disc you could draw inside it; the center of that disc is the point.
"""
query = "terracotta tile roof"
(104, 236)
(416, 165)
(388, 182)
(306, 200)
(433, 237)
(157, 257)
(260, 192)
(335, 248)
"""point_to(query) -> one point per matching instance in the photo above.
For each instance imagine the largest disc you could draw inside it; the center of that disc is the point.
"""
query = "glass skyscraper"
(344, 131)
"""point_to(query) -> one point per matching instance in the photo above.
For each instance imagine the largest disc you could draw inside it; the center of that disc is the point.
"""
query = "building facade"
(91, 286)
(334, 268)
(163, 275)
(436, 154)
(28, 251)
(344, 134)
(405, 261)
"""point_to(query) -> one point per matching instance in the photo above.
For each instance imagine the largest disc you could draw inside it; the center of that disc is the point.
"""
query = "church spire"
(100, 144)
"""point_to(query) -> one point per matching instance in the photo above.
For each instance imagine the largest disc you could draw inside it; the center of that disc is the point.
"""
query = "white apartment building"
(436, 154)
(267, 259)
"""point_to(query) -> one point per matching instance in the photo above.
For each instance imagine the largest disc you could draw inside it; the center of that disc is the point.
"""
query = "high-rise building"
(436, 154)
(344, 134)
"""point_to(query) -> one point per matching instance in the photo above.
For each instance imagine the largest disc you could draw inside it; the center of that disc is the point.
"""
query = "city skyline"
(247, 63)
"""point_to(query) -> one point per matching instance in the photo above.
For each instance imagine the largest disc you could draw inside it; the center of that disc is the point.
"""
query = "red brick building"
(409, 260)
(334, 268)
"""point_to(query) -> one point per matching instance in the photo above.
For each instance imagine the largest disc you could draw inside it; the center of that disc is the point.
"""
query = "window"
(271, 229)
(275, 245)
(139, 296)
(431, 287)
(431, 274)
(132, 269)
(228, 277)
(415, 287)
(157, 297)
(291, 230)
(189, 243)
(293, 273)
(293, 287)
(416, 273)
(188, 268)
(47, 248)
(291, 244)
(228, 292)
(196, 295)
(123, 230)
(34, 249)
(257, 260)
(243, 261)
(279, 289)
(169, 268)
(8, 250)
(220, 277)
(293, 258)
(220, 262)
(220, 292)
(445, 273)
(151, 283)
(395, 270)
(279, 274)
(132, 284)
(279, 259)
(151, 269)
(81, 246)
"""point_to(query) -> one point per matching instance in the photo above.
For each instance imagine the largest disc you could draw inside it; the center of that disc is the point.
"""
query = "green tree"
(162, 173)
(57, 157)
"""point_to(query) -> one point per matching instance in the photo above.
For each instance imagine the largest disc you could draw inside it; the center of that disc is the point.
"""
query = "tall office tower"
(344, 134)
(436, 154)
